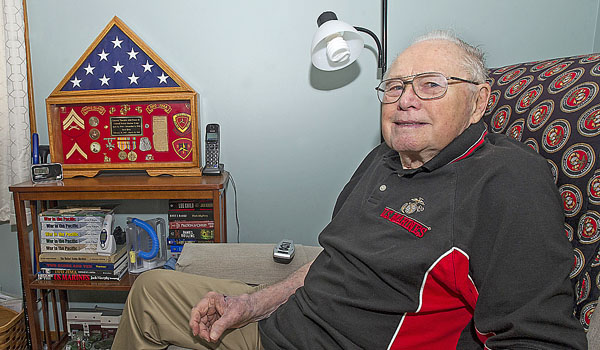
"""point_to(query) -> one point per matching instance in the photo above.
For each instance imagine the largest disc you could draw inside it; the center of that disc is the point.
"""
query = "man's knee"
(150, 282)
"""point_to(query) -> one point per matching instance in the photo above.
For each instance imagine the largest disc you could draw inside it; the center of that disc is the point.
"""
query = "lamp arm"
(378, 43)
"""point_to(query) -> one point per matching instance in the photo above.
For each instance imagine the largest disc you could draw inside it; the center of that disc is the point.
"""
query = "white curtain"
(15, 154)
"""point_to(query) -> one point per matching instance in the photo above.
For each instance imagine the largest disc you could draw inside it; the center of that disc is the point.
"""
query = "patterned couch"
(553, 106)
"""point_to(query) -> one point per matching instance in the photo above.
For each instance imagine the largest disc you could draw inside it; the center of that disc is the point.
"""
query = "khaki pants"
(158, 307)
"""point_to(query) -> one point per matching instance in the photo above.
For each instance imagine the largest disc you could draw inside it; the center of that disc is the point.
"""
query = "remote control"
(283, 252)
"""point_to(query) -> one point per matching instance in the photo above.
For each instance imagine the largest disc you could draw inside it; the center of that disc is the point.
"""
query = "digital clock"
(46, 172)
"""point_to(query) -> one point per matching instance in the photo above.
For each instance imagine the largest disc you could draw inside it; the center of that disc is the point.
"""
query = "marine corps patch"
(590, 59)
(554, 70)
(578, 160)
(595, 70)
(516, 129)
(540, 114)
(504, 69)
(593, 188)
(596, 262)
(510, 76)
(544, 65)
(414, 206)
(500, 119)
(589, 123)
(569, 232)
(566, 79)
(492, 101)
(587, 231)
(531, 142)
(572, 199)
(515, 88)
(583, 288)
(556, 135)
(578, 97)
(528, 98)
(586, 314)
(553, 170)
(578, 263)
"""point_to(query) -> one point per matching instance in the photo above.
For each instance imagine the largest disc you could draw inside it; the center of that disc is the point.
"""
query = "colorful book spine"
(190, 204)
(201, 215)
(190, 225)
(81, 272)
(83, 265)
(76, 277)
(86, 258)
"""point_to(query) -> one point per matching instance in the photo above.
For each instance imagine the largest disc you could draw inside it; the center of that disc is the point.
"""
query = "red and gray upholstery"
(553, 106)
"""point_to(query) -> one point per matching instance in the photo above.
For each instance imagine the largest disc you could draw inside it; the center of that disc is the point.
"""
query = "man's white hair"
(474, 60)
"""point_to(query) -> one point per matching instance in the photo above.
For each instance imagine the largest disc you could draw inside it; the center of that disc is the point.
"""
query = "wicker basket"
(13, 333)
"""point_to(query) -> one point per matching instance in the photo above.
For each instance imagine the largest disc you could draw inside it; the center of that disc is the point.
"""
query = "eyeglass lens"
(426, 86)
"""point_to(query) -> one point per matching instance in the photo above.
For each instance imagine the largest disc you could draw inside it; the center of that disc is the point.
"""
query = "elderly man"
(438, 241)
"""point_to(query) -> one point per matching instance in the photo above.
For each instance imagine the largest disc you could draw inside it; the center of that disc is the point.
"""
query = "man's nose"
(408, 98)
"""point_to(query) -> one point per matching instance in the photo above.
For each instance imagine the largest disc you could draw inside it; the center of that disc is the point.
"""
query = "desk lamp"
(337, 44)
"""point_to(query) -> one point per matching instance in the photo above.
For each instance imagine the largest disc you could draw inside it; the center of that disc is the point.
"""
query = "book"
(83, 257)
(190, 204)
(193, 234)
(190, 225)
(83, 265)
(200, 215)
(78, 277)
(64, 276)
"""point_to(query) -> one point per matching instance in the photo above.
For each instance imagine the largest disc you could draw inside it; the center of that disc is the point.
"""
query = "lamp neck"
(380, 55)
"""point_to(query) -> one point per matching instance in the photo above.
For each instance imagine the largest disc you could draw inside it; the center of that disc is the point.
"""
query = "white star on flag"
(75, 81)
(133, 79)
(118, 67)
(116, 42)
(103, 56)
(163, 78)
(89, 69)
(132, 54)
(147, 66)
(104, 80)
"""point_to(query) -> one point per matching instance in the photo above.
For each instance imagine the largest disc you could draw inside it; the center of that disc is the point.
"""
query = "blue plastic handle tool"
(152, 233)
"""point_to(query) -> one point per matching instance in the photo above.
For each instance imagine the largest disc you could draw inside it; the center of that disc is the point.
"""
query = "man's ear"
(480, 102)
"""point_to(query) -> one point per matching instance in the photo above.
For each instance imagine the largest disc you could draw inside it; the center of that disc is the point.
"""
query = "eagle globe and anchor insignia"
(415, 205)
(403, 219)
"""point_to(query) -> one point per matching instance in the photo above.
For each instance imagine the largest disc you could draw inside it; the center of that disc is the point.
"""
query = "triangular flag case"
(121, 107)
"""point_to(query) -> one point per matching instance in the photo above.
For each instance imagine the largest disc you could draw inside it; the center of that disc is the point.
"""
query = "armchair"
(551, 105)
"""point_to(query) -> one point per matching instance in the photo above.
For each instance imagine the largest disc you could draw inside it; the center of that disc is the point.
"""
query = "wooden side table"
(102, 187)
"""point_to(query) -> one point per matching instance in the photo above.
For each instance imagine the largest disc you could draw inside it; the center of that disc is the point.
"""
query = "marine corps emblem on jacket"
(415, 205)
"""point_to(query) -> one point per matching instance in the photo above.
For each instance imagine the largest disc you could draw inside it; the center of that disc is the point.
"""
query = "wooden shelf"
(114, 186)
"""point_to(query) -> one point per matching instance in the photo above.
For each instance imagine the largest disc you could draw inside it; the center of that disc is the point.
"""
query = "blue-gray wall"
(291, 135)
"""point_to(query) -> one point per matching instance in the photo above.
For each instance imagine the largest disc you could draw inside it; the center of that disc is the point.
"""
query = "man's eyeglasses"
(427, 86)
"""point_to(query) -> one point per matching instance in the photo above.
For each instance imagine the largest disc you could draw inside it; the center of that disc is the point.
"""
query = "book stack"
(190, 221)
(83, 267)
(71, 230)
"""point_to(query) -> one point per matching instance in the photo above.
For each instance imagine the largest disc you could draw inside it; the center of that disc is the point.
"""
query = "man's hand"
(216, 313)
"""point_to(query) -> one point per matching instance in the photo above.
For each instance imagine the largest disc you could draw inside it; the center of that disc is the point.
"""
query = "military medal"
(132, 156)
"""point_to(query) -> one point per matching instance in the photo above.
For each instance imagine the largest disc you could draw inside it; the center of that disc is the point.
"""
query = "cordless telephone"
(211, 152)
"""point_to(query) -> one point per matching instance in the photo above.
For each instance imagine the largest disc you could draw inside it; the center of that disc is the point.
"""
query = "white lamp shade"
(319, 45)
